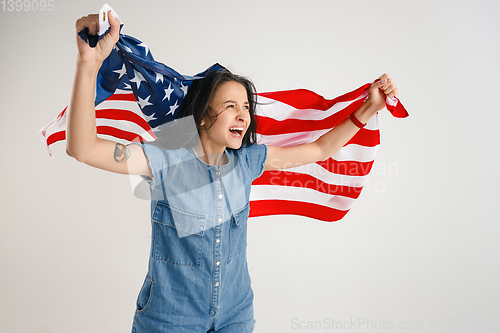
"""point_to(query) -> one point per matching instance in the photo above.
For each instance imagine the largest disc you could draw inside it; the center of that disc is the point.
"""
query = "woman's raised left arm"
(328, 144)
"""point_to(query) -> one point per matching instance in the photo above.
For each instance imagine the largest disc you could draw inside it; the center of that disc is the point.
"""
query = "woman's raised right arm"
(82, 142)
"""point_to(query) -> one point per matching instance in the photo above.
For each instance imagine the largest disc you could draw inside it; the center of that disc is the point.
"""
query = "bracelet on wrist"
(356, 121)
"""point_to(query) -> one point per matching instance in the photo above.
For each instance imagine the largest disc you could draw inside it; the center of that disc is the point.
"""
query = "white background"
(421, 245)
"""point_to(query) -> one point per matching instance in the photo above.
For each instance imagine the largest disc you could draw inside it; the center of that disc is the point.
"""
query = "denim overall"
(198, 278)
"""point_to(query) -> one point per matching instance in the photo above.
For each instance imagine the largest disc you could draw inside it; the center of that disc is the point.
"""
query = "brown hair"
(200, 94)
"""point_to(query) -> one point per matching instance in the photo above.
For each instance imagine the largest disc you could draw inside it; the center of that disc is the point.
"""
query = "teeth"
(236, 128)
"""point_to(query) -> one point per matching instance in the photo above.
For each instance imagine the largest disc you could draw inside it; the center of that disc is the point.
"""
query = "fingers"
(90, 21)
(114, 30)
(386, 84)
(105, 45)
(109, 40)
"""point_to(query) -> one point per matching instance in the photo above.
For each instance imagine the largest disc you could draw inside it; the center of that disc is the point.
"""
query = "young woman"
(197, 279)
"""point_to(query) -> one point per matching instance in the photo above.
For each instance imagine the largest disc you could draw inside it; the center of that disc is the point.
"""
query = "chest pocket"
(177, 235)
(238, 232)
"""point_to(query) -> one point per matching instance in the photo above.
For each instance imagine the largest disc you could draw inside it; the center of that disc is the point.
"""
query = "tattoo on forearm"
(122, 153)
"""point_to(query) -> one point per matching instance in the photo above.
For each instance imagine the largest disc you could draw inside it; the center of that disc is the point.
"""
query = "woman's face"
(231, 107)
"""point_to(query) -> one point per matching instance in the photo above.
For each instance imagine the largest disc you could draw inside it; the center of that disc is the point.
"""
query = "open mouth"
(236, 131)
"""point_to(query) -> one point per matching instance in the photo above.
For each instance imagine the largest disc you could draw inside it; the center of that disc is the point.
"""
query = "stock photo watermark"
(346, 178)
(27, 5)
(365, 323)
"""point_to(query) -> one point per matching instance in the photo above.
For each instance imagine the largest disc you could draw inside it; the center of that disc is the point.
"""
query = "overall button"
(217, 240)
(217, 263)
(220, 195)
(216, 284)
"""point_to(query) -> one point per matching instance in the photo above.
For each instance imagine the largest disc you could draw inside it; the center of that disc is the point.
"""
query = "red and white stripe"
(118, 117)
(324, 190)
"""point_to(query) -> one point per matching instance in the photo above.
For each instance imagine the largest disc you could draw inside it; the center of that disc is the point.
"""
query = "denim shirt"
(198, 265)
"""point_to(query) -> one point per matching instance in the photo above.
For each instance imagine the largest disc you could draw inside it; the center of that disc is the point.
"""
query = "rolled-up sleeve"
(160, 162)
(255, 157)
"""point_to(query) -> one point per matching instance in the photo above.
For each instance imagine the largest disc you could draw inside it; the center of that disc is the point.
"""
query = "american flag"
(135, 95)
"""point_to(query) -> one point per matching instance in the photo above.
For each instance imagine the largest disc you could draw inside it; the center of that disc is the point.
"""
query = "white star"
(144, 102)
(184, 89)
(151, 117)
(156, 129)
(121, 71)
(168, 92)
(137, 78)
(173, 108)
(126, 86)
(144, 45)
(159, 77)
(127, 48)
